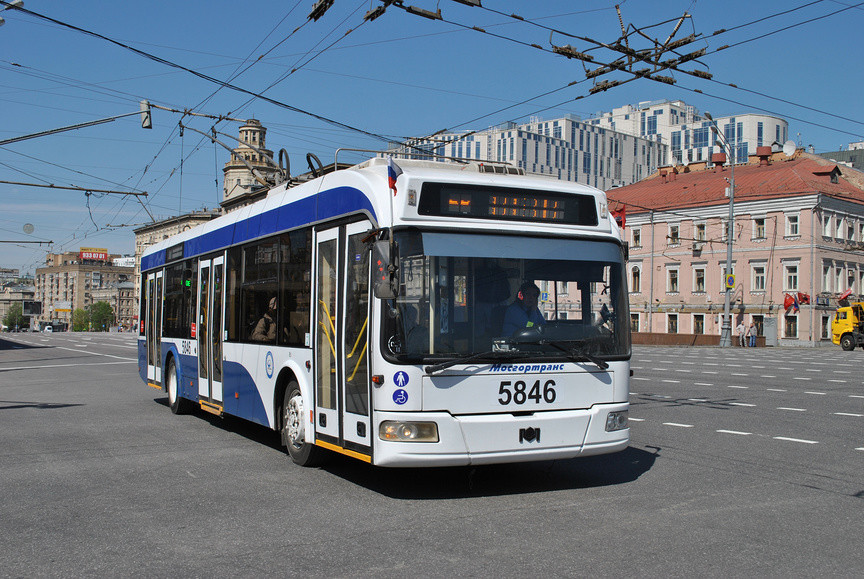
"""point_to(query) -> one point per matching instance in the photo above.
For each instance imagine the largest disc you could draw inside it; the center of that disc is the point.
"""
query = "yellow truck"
(847, 328)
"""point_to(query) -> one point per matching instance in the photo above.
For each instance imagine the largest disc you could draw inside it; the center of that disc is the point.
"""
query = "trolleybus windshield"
(459, 295)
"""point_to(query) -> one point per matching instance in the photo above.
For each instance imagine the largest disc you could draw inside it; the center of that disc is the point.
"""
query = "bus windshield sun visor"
(459, 245)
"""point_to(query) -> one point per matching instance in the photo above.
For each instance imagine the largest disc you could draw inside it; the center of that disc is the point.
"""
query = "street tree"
(80, 320)
(101, 316)
(14, 318)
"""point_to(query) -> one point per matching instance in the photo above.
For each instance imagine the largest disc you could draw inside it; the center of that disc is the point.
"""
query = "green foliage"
(101, 316)
(80, 320)
(15, 317)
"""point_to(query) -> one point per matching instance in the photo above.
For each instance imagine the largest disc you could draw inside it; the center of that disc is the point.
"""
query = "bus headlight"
(616, 421)
(399, 431)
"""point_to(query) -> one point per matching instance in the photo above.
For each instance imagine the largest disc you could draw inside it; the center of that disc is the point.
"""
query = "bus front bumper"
(501, 438)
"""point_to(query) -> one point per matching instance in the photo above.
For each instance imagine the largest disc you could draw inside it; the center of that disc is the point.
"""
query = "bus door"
(342, 392)
(153, 327)
(209, 329)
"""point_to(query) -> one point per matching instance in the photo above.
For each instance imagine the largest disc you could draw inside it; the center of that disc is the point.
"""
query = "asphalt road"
(742, 463)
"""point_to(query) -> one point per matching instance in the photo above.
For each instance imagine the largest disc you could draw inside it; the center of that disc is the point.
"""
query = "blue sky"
(397, 76)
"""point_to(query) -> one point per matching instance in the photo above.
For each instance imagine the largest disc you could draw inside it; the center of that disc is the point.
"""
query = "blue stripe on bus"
(247, 402)
(325, 205)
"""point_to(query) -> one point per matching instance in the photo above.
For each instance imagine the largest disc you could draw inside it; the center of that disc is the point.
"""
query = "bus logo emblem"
(400, 397)
(400, 379)
(268, 364)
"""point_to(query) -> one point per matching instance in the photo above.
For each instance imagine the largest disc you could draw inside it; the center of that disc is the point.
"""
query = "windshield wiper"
(577, 354)
(494, 354)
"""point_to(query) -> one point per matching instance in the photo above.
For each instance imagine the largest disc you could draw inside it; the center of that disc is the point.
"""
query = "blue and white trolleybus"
(444, 314)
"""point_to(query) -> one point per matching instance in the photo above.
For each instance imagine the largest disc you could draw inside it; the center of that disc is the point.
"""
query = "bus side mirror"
(385, 283)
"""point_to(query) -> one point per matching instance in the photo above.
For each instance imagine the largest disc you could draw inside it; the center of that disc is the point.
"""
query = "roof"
(700, 185)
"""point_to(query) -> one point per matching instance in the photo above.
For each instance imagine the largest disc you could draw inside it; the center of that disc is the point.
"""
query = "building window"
(790, 275)
(674, 237)
(636, 280)
(700, 232)
(672, 323)
(759, 228)
(636, 236)
(790, 326)
(792, 225)
(758, 281)
(698, 323)
(839, 286)
(826, 327)
(672, 281)
(826, 226)
(634, 322)
(699, 280)
(759, 322)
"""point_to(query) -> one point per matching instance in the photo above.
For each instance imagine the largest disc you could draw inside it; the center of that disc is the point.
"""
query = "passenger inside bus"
(265, 329)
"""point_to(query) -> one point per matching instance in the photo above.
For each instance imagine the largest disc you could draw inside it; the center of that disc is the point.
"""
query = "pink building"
(798, 232)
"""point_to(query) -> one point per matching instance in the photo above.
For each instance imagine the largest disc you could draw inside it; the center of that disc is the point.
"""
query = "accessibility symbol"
(400, 397)
(401, 379)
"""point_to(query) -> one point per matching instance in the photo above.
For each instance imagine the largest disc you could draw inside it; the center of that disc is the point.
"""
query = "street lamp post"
(726, 326)
(9, 6)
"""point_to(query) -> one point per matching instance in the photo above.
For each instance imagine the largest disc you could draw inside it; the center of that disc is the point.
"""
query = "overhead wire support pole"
(85, 189)
(68, 128)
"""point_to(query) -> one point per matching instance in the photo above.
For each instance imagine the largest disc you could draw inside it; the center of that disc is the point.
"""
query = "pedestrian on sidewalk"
(742, 334)
(751, 332)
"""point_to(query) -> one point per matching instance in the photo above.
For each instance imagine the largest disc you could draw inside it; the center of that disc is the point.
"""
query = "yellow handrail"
(362, 332)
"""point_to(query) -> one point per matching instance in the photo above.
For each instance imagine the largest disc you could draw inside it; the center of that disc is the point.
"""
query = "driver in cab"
(523, 312)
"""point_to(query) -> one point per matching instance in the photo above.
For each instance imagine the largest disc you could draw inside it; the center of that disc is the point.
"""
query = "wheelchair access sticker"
(400, 397)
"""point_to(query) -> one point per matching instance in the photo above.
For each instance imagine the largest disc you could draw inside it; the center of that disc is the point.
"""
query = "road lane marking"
(631, 419)
(741, 404)
(792, 409)
(672, 381)
(801, 378)
(796, 440)
(815, 393)
(638, 378)
(855, 396)
(708, 372)
(721, 431)
(849, 414)
(702, 384)
(740, 387)
(678, 425)
(774, 389)
(768, 377)
(64, 365)
(97, 354)
(738, 374)
(840, 381)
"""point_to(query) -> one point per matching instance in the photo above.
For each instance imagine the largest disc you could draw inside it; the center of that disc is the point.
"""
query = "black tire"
(292, 429)
(847, 343)
(172, 385)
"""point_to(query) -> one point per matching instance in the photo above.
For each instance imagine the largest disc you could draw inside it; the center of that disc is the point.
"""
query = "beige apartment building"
(68, 280)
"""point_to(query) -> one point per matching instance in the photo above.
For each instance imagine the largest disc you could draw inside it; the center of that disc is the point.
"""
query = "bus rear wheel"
(172, 383)
(847, 343)
(293, 429)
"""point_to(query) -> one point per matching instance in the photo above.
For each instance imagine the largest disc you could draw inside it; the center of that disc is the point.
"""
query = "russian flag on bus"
(393, 172)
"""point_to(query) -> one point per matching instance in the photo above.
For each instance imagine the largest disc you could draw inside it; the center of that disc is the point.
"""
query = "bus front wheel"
(294, 431)
(847, 343)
